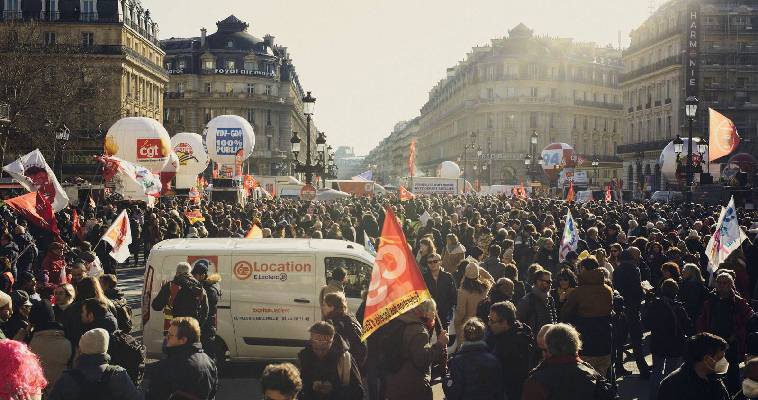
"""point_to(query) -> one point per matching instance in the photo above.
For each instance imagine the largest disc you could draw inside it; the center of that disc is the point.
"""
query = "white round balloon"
(667, 159)
(449, 169)
(189, 147)
(139, 140)
(226, 135)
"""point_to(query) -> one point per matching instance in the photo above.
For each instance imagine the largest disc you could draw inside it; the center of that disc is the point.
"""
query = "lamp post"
(321, 152)
(595, 165)
(533, 153)
(309, 103)
(466, 148)
(62, 135)
(690, 109)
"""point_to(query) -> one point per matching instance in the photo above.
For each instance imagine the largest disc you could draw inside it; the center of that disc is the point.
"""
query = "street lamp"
(595, 165)
(309, 104)
(690, 110)
(533, 153)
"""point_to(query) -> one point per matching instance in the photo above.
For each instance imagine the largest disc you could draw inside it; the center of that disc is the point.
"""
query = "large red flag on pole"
(570, 194)
(396, 282)
(412, 158)
(36, 209)
(608, 197)
(724, 138)
(405, 194)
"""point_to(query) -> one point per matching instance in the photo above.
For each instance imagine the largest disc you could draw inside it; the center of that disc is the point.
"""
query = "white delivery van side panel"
(152, 321)
(273, 303)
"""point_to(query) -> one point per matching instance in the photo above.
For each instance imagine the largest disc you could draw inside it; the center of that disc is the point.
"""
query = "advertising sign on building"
(692, 42)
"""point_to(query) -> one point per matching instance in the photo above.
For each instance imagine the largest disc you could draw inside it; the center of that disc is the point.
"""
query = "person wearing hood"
(212, 286)
(699, 377)
(183, 296)
(589, 308)
(327, 369)
(474, 288)
(453, 253)
(49, 342)
(475, 373)
(91, 366)
(512, 342)
(187, 371)
(750, 382)
(669, 327)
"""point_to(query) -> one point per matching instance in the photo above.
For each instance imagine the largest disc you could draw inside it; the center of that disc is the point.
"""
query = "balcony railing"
(49, 15)
(12, 14)
(667, 62)
(598, 104)
(642, 146)
(601, 158)
(175, 95)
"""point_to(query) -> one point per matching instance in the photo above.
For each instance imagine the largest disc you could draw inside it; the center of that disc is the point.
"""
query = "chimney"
(269, 41)
(203, 32)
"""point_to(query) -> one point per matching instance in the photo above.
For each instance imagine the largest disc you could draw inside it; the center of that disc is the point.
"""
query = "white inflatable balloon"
(667, 159)
(225, 135)
(449, 169)
(189, 147)
(139, 140)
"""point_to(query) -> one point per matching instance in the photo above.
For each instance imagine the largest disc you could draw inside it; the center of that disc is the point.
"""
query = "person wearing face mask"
(327, 369)
(699, 377)
(726, 314)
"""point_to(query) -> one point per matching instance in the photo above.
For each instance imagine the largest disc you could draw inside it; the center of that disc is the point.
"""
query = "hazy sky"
(371, 64)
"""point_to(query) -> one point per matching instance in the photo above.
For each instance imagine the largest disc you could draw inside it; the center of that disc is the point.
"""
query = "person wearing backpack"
(183, 296)
(123, 312)
(334, 310)
(563, 375)
(212, 289)
(93, 377)
(186, 372)
(513, 344)
(327, 368)
(475, 374)
(409, 376)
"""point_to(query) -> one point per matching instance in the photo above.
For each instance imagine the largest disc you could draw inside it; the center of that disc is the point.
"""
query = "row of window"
(652, 56)
(649, 129)
(143, 90)
(535, 71)
(229, 64)
(652, 94)
(232, 88)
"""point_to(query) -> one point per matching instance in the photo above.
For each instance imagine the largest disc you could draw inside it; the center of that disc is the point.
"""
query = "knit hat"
(472, 271)
(94, 341)
(5, 300)
(182, 268)
(201, 267)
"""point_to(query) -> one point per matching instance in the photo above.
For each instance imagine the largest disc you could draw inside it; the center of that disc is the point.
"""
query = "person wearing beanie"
(183, 296)
(210, 282)
(6, 310)
(473, 290)
(49, 342)
(92, 367)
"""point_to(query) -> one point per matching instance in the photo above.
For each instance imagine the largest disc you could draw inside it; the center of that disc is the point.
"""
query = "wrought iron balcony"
(667, 62)
(642, 146)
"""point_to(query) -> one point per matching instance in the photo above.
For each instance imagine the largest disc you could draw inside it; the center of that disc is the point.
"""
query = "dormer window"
(230, 64)
(230, 44)
(208, 64)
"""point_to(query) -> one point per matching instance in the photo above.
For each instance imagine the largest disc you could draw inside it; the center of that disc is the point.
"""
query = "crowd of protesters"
(523, 322)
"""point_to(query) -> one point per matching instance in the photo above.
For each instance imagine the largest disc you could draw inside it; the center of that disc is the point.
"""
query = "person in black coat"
(512, 342)
(183, 296)
(320, 363)
(668, 323)
(697, 378)
(334, 311)
(626, 279)
(212, 289)
(475, 373)
(441, 285)
(187, 372)
(692, 290)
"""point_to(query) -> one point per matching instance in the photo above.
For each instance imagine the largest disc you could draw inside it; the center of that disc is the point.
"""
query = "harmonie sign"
(691, 61)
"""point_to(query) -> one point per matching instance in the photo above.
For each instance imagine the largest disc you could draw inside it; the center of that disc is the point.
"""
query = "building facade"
(234, 72)
(113, 41)
(500, 94)
(703, 48)
(348, 163)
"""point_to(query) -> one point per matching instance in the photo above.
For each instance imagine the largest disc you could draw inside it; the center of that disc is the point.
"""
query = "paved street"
(240, 381)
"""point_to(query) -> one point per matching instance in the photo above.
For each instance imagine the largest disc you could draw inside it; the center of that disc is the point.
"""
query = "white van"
(270, 289)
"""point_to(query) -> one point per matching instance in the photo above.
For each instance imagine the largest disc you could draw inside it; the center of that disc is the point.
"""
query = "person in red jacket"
(726, 314)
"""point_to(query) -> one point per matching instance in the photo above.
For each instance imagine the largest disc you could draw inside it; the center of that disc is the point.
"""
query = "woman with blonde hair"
(473, 290)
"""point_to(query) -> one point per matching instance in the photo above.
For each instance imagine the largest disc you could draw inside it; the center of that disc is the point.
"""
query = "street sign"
(308, 192)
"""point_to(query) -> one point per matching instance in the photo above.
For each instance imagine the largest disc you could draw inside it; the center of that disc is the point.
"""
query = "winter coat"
(626, 279)
(465, 307)
(54, 352)
(213, 293)
(337, 368)
(444, 294)
(413, 380)
(451, 258)
(350, 331)
(685, 384)
(14, 324)
(121, 309)
(494, 267)
(514, 349)
(559, 378)
(693, 294)
(190, 300)
(185, 369)
(589, 308)
(475, 374)
(740, 311)
(669, 326)
(120, 386)
(535, 312)
(548, 259)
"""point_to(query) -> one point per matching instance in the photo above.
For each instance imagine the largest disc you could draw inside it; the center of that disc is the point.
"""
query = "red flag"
(36, 209)
(412, 158)
(215, 170)
(570, 194)
(119, 236)
(76, 227)
(608, 197)
(396, 282)
(405, 194)
(724, 138)
(255, 232)
(521, 191)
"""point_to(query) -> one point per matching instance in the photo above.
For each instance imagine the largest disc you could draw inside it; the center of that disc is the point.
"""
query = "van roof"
(269, 244)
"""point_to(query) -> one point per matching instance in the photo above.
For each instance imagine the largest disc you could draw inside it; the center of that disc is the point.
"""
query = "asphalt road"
(240, 380)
